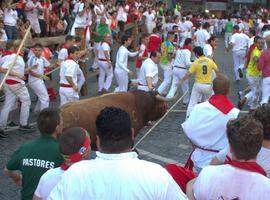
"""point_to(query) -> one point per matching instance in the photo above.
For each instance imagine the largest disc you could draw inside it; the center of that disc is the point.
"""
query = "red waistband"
(12, 82)
(102, 59)
(65, 85)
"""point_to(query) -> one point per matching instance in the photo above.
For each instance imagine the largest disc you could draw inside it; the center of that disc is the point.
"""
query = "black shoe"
(3, 134)
(241, 103)
(241, 75)
(12, 125)
(26, 128)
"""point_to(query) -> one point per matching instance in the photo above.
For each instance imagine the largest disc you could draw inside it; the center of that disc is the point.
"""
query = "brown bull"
(141, 107)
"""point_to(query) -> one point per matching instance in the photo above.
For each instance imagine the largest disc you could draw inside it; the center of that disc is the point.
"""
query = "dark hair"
(198, 51)
(206, 25)
(124, 39)
(69, 38)
(245, 136)
(263, 115)
(154, 54)
(73, 49)
(252, 31)
(236, 27)
(37, 46)
(256, 38)
(113, 127)
(188, 41)
(212, 38)
(48, 120)
(71, 140)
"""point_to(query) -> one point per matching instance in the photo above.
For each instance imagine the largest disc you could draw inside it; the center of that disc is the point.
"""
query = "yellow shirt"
(252, 69)
(203, 68)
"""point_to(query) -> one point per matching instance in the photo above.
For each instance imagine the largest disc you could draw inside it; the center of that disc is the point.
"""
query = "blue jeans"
(11, 32)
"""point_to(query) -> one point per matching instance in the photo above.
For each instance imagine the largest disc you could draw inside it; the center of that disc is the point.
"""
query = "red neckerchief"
(65, 46)
(221, 102)
(78, 156)
(249, 166)
(69, 58)
(8, 52)
(186, 47)
(106, 43)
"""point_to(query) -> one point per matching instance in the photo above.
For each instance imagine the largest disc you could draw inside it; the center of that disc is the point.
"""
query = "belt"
(180, 67)
(101, 59)
(65, 85)
(11, 82)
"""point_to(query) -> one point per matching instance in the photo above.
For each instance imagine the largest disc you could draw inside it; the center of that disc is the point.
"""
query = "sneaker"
(241, 103)
(26, 128)
(184, 105)
(12, 125)
(240, 72)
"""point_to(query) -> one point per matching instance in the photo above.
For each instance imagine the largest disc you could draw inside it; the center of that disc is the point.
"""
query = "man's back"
(227, 182)
(117, 176)
(33, 159)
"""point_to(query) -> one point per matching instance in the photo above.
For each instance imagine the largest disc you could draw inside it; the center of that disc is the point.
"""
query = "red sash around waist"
(65, 85)
(11, 82)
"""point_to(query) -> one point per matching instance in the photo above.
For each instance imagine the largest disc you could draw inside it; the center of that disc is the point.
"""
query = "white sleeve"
(41, 184)
(63, 54)
(188, 59)
(120, 60)
(132, 54)
(106, 47)
(46, 62)
(81, 6)
(232, 39)
(81, 78)
(7, 63)
(70, 70)
(200, 187)
(149, 72)
(142, 49)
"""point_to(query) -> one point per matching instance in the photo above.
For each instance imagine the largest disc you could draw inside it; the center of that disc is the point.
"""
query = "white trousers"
(105, 76)
(178, 74)
(238, 61)
(12, 92)
(228, 37)
(121, 77)
(67, 95)
(95, 63)
(167, 78)
(198, 91)
(265, 90)
(40, 90)
(150, 27)
(253, 96)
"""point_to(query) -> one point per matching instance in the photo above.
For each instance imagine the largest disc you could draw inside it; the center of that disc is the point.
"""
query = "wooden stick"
(16, 57)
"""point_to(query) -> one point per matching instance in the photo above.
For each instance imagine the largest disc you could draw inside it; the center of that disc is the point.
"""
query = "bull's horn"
(162, 98)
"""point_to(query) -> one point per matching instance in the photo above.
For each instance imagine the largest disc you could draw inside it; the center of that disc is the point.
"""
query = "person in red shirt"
(154, 41)
(143, 52)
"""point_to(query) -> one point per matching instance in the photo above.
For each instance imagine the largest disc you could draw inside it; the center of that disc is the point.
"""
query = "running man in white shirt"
(181, 64)
(116, 170)
(148, 75)
(239, 45)
(63, 53)
(14, 89)
(121, 69)
(241, 177)
(105, 65)
(202, 35)
(74, 144)
(150, 18)
(38, 63)
(69, 90)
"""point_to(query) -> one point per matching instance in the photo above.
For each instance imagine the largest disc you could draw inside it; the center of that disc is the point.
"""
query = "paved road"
(165, 144)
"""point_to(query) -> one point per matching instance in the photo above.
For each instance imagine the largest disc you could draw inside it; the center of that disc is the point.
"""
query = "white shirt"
(33, 14)
(122, 58)
(149, 18)
(69, 68)
(10, 17)
(182, 58)
(47, 182)
(103, 47)
(99, 9)
(206, 128)
(240, 41)
(79, 20)
(148, 69)
(63, 54)
(121, 14)
(227, 182)
(208, 51)
(117, 176)
(41, 64)
(201, 37)
(19, 67)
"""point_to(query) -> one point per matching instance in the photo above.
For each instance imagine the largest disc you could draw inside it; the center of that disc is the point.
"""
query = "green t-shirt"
(33, 159)
(102, 30)
(229, 27)
(167, 49)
